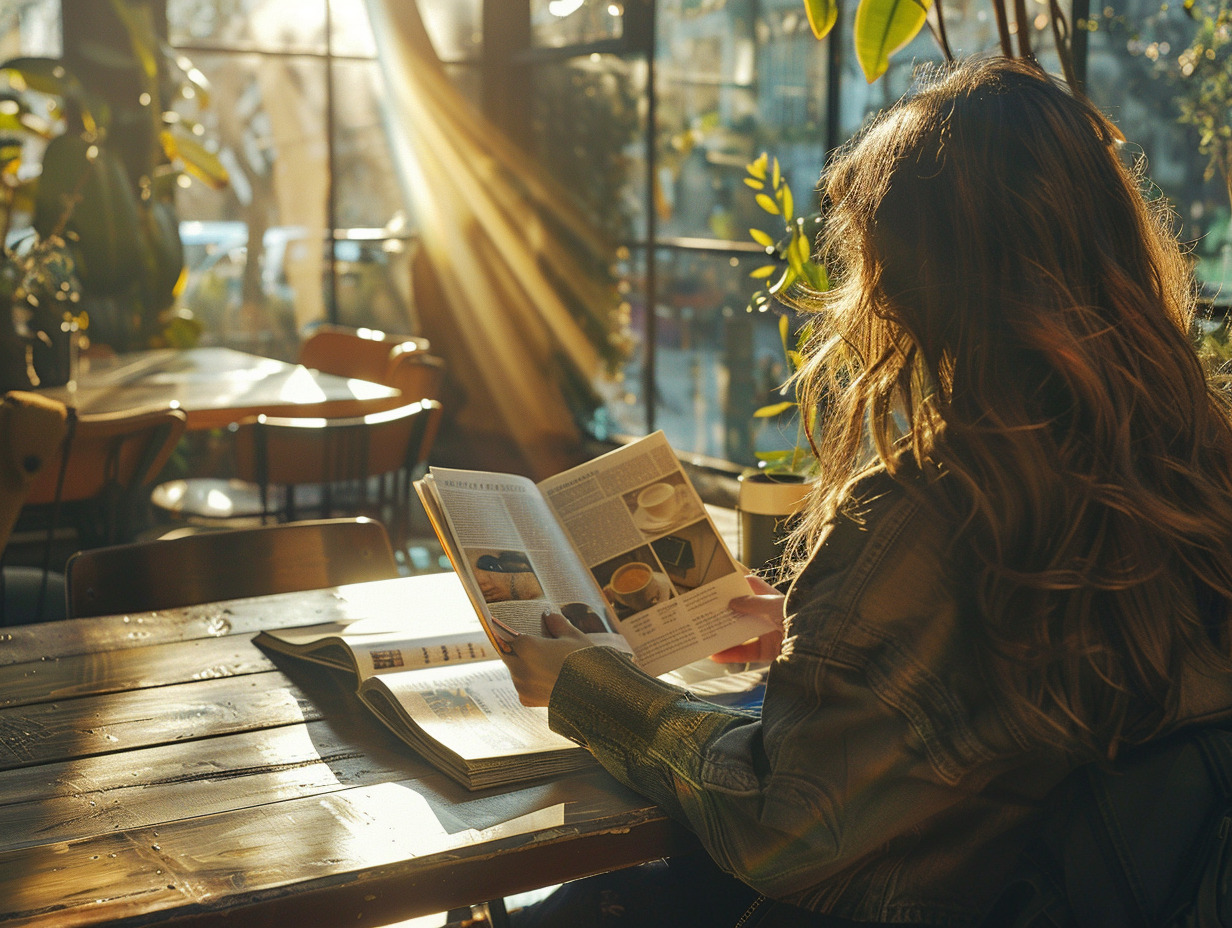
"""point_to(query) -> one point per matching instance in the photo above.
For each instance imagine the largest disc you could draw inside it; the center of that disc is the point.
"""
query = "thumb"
(560, 627)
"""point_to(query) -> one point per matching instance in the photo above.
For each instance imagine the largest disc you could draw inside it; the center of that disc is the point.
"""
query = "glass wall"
(312, 225)
(1143, 75)
(648, 121)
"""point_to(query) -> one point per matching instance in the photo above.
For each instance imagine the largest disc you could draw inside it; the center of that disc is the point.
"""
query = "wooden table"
(217, 386)
(160, 767)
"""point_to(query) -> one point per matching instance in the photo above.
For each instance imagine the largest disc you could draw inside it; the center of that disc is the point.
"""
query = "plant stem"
(1003, 28)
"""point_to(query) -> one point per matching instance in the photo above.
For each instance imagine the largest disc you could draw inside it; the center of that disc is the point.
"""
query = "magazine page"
(469, 720)
(415, 622)
(638, 524)
(513, 556)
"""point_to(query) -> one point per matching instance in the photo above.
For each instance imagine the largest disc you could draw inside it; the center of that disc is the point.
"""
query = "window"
(312, 226)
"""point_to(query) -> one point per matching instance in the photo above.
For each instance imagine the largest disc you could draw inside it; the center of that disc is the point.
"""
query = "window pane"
(256, 251)
(371, 263)
(254, 25)
(352, 32)
(455, 27)
(30, 27)
(715, 363)
(556, 23)
(1135, 75)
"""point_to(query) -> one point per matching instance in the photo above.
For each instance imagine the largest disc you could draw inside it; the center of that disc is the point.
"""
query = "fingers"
(560, 627)
(765, 648)
(760, 585)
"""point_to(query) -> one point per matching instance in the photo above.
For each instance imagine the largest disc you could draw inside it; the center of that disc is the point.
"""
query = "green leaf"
(784, 328)
(816, 277)
(775, 460)
(882, 27)
(777, 176)
(761, 238)
(776, 409)
(758, 168)
(755, 184)
(766, 202)
(198, 160)
(822, 15)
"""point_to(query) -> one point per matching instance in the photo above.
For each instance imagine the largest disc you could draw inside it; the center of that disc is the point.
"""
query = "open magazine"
(428, 671)
(619, 544)
(426, 668)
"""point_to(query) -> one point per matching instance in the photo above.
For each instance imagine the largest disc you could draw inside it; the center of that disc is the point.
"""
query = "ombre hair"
(1010, 335)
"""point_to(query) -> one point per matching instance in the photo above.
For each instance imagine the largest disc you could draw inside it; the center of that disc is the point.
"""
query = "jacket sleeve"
(867, 727)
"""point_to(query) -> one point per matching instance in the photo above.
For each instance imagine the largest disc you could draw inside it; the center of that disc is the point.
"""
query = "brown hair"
(1012, 314)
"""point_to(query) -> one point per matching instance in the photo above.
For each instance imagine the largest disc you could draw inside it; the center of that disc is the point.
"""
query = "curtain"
(493, 275)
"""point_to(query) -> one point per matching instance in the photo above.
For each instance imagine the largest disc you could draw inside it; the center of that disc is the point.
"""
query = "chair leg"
(497, 916)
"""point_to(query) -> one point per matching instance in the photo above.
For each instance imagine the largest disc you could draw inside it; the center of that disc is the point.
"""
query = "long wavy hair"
(1011, 322)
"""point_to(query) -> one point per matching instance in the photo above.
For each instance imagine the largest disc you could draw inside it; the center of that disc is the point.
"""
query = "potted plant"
(92, 181)
(770, 496)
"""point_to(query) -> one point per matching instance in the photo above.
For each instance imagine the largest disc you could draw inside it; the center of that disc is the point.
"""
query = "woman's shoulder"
(888, 530)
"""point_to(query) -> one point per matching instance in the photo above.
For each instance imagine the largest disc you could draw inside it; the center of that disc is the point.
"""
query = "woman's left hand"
(535, 662)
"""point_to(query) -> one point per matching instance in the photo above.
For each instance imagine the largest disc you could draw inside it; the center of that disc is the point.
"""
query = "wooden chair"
(103, 467)
(289, 466)
(418, 374)
(208, 566)
(32, 429)
(360, 353)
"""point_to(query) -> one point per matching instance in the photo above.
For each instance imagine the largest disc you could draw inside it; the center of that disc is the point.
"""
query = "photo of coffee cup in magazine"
(634, 582)
(660, 506)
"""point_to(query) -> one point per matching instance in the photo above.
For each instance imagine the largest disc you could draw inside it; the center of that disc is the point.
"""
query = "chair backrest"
(117, 452)
(360, 353)
(209, 566)
(31, 431)
(418, 374)
(291, 451)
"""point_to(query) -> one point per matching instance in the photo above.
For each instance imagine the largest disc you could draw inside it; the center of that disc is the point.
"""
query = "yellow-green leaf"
(822, 15)
(785, 199)
(777, 176)
(776, 409)
(783, 329)
(754, 183)
(199, 161)
(783, 282)
(766, 202)
(800, 244)
(761, 238)
(764, 271)
(758, 167)
(882, 27)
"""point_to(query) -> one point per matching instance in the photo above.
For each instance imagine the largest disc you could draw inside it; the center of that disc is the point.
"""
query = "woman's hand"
(766, 602)
(535, 662)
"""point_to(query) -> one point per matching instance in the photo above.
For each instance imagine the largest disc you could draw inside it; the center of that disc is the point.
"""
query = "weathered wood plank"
(56, 731)
(78, 675)
(374, 852)
(151, 786)
(50, 640)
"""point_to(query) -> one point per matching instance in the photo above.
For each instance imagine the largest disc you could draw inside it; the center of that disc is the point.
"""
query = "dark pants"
(685, 892)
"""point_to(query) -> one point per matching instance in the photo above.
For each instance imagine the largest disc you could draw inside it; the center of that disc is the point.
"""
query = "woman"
(1018, 556)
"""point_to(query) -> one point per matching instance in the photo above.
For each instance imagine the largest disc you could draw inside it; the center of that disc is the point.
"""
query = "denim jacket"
(880, 783)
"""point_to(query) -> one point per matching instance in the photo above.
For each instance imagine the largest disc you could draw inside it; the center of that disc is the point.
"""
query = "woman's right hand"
(767, 602)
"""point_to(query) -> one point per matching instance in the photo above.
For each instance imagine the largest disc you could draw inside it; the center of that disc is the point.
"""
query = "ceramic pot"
(766, 506)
